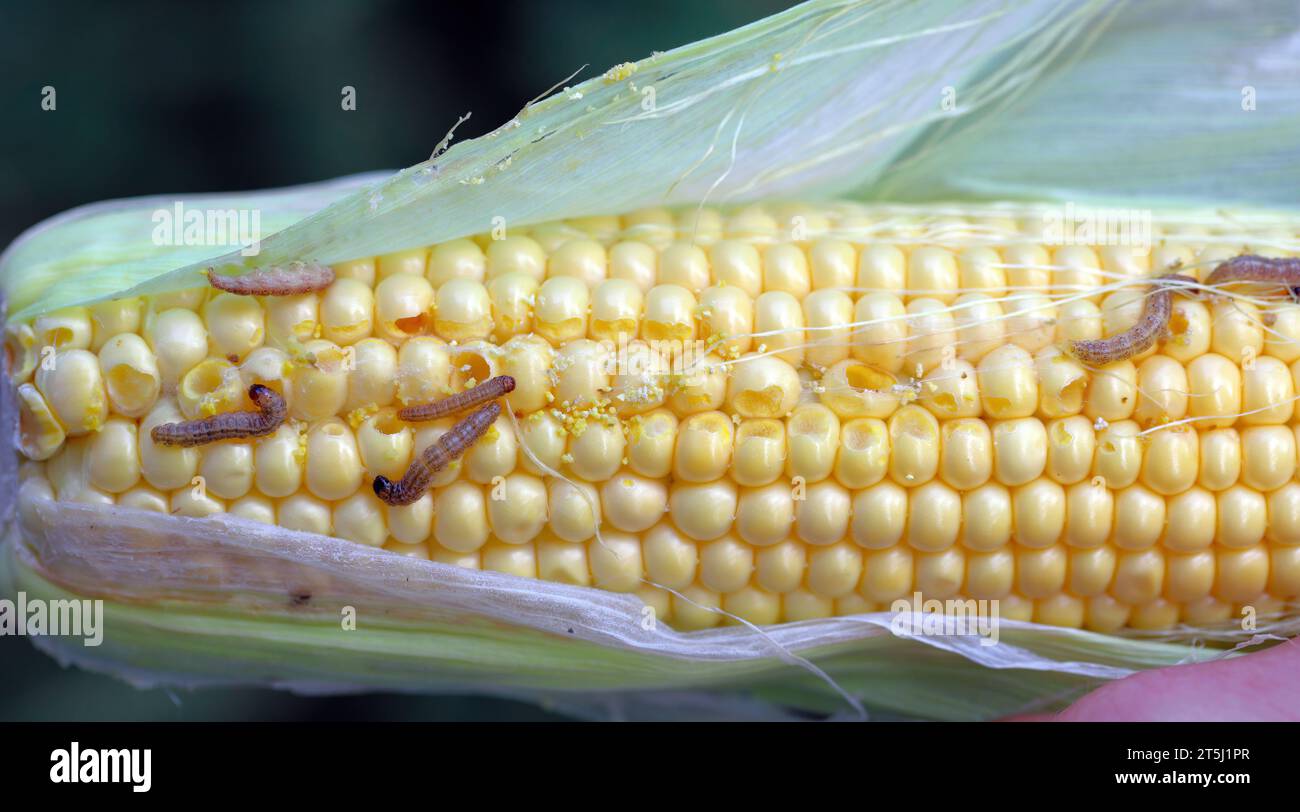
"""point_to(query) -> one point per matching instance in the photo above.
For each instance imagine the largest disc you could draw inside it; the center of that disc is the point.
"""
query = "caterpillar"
(230, 425)
(1150, 326)
(436, 457)
(488, 390)
(1283, 271)
(275, 280)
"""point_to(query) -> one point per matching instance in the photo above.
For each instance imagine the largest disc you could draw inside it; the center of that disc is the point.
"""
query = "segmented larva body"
(1150, 326)
(488, 390)
(436, 457)
(1284, 271)
(231, 425)
(275, 280)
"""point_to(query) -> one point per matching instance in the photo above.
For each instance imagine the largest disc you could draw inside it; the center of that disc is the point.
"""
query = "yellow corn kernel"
(989, 575)
(762, 386)
(633, 503)
(616, 306)
(1071, 445)
(73, 386)
(1214, 383)
(1192, 521)
(765, 515)
(143, 497)
(1267, 392)
(114, 317)
(1112, 393)
(1119, 455)
(703, 511)
(887, 574)
(1162, 391)
(112, 461)
(1008, 383)
(574, 510)
(704, 446)
(132, 379)
(596, 452)
(347, 312)
(195, 503)
(333, 460)
(753, 604)
(986, 518)
(914, 443)
(737, 263)
(671, 558)
(213, 386)
(460, 517)
(385, 444)
(561, 307)
(1238, 332)
(669, 314)
(635, 262)
(67, 329)
(779, 326)
(934, 517)
(879, 515)
(413, 261)
(822, 516)
(303, 512)
(979, 269)
(318, 382)
(278, 462)
(685, 265)
(582, 259)
(455, 259)
(834, 264)
(725, 564)
(1091, 570)
(863, 456)
(615, 562)
(516, 254)
(413, 523)
(404, 307)
(252, 507)
(1170, 463)
(40, 435)
(1040, 572)
(1039, 509)
(760, 452)
(1089, 514)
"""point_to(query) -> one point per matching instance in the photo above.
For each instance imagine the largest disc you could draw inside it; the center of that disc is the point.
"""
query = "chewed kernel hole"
(417, 325)
(469, 369)
(761, 402)
(129, 386)
(863, 377)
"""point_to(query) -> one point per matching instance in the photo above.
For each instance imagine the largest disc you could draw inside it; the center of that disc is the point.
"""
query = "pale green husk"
(1096, 102)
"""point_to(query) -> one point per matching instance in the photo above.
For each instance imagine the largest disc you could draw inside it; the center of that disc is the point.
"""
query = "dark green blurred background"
(198, 97)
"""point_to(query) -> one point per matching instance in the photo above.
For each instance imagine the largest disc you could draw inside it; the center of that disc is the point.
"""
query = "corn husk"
(1095, 102)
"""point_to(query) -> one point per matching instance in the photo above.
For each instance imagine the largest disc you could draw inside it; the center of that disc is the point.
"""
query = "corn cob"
(752, 411)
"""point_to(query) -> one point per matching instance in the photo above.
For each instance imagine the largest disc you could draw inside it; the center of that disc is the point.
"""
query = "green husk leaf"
(813, 101)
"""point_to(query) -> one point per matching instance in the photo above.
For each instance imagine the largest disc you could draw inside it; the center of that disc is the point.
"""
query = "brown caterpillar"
(488, 390)
(1284, 271)
(230, 425)
(1150, 326)
(436, 457)
(275, 280)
